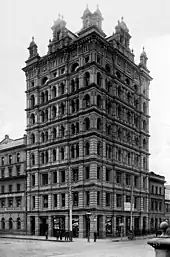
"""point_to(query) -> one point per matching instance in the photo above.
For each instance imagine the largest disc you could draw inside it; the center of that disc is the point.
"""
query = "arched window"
(108, 69)
(98, 148)
(72, 106)
(99, 124)
(62, 131)
(46, 114)
(10, 223)
(118, 75)
(32, 101)
(72, 151)
(54, 155)
(42, 116)
(18, 223)
(99, 79)
(54, 112)
(42, 97)
(108, 86)
(44, 80)
(77, 83)
(144, 108)
(62, 153)
(144, 125)
(77, 104)
(72, 85)
(86, 101)
(42, 137)
(46, 96)
(32, 137)
(99, 101)
(144, 163)
(32, 159)
(54, 132)
(46, 157)
(42, 158)
(2, 223)
(86, 123)
(62, 88)
(46, 136)
(54, 92)
(77, 150)
(74, 67)
(32, 119)
(86, 79)
(77, 127)
(62, 108)
(144, 143)
(87, 148)
(72, 129)
(127, 81)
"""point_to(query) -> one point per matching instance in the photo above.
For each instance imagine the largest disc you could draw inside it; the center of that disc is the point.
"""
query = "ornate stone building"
(156, 200)
(13, 185)
(88, 109)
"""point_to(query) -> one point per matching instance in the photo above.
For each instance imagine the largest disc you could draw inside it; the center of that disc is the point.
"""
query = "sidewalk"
(53, 239)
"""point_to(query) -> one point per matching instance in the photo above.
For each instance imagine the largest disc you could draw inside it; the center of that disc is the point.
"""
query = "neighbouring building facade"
(156, 200)
(167, 202)
(87, 109)
(13, 185)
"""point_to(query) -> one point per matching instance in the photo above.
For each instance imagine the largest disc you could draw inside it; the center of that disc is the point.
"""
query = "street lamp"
(88, 214)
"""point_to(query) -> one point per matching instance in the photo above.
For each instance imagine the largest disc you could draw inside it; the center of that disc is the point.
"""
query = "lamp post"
(88, 214)
(70, 203)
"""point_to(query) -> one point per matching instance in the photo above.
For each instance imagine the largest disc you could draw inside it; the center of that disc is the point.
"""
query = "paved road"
(79, 248)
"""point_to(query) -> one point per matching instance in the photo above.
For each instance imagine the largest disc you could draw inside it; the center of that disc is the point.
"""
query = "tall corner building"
(88, 112)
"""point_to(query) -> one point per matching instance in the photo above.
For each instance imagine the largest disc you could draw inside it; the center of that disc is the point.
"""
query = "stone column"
(37, 226)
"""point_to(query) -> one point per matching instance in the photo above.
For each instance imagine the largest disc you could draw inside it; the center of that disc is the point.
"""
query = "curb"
(37, 239)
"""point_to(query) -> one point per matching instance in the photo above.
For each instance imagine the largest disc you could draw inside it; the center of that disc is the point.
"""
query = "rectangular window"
(18, 187)
(55, 200)
(10, 159)
(45, 201)
(10, 202)
(2, 173)
(160, 190)
(136, 181)
(128, 198)
(75, 174)
(128, 176)
(10, 172)
(10, 188)
(2, 161)
(18, 157)
(33, 202)
(108, 172)
(2, 190)
(62, 176)
(156, 190)
(108, 199)
(2, 203)
(98, 172)
(87, 198)
(118, 200)
(98, 198)
(63, 200)
(118, 177)
(55, 177)
(33, 180)
(144, 183)
(152, 205)
(45, 179)
(18, 168)
(75, 199)
(135, 202)
(87, 172)
(152, 189)
(18, 201)
(160, 206)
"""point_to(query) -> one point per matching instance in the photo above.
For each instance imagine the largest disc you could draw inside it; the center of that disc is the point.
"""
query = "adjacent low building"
(167, 202)
(12, 185)
(156, 200)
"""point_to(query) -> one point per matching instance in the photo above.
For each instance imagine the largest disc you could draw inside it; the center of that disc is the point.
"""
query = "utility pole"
(70, 202)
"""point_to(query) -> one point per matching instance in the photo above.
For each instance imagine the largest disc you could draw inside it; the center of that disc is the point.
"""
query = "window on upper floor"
(75, 174)
(63, 200)
(87, 148)
(33, 180)
(2, 189)
(32, 101)
(18, 187)
(87, 172)
(118, 200)
(10, 159)
(2, 161)
(118, 177)
(10, 188)
(44, 179)
(108, 175)
(18, 201)
(10, 202)
(10, 172)
(55, 200)
(87, 198)
(108, 199)
(86, 79)
(45, 201)
(62, 176)
(75, 199)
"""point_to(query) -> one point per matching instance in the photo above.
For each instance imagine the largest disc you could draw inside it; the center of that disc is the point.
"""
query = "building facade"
(167, 202)
(87, 110)
(156, 200)
(13, 185)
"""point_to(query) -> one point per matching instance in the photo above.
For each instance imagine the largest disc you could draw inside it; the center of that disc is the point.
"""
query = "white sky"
(149, 25)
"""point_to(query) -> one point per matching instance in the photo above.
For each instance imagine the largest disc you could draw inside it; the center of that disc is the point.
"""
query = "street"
(78, 248)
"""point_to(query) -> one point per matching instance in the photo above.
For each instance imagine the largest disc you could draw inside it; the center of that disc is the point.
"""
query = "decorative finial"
(62, 17)
(122, 18)
(32, 39)
(143, 48)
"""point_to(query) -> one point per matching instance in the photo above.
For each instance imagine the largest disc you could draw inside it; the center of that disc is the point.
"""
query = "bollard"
(161, 243)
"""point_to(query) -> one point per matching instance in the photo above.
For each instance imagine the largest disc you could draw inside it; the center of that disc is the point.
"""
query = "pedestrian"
(95, 236)
(46, 234)
(57, 234)
(61, 235)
